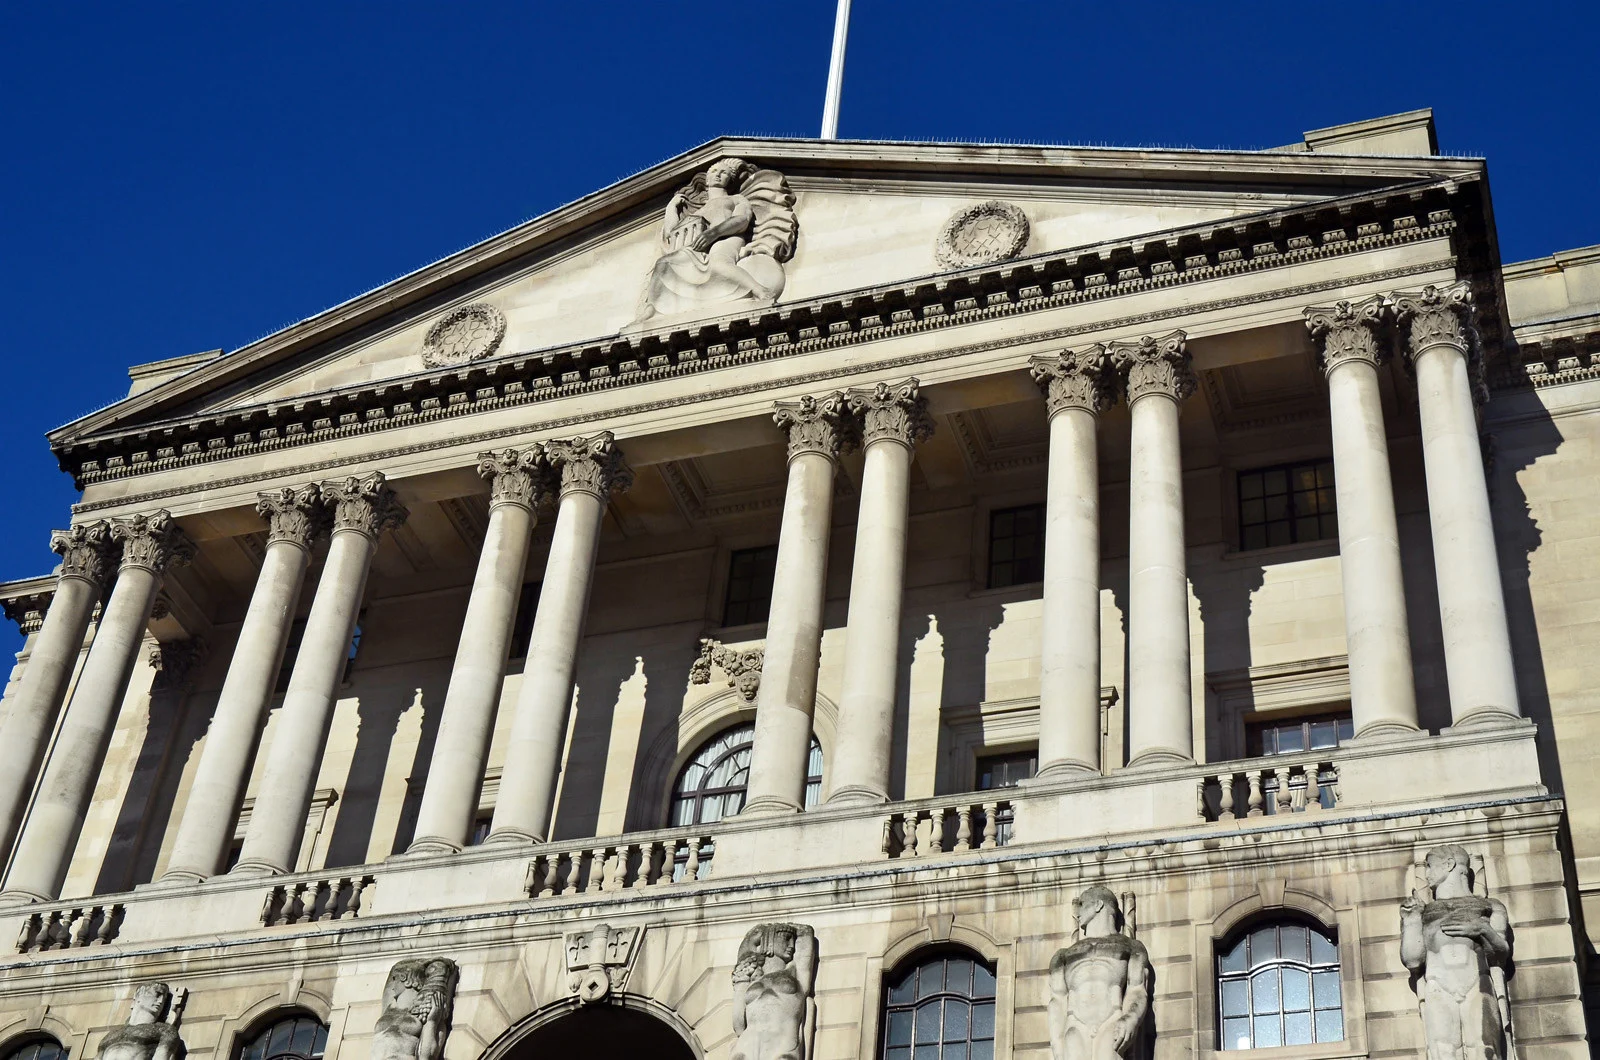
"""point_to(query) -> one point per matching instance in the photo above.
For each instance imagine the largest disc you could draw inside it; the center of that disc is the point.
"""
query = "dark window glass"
(235, 850)
(1016, 546)
(1284, 505)
(939, 1008)
(522, 629)
(297, 634)
(749, 585)
(1007, 770)
(1278, 984)
(293, 1038)
(712, 785)
(480, 827)
(38, 1049)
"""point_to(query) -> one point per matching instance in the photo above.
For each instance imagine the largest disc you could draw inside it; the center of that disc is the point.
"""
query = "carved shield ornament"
(982, 235)
(465, 334)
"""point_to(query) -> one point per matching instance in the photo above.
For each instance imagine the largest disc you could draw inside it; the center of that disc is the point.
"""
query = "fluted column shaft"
(1160, 723)
(1078, 386)
(894, 418)
(86, 563)
(788, 692)
(589, 468)
(466, 726)
(1351, 343)
(150, 545)
(362, 508)
(295, 519)
(1440, 333)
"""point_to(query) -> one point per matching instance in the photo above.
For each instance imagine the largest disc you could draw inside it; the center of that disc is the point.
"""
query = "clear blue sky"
(182, 178)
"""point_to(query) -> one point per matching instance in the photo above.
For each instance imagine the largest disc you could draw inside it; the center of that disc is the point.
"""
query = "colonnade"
(130, 556)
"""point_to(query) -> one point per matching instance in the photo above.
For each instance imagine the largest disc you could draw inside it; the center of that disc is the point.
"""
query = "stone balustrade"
(70, 927)
(1257, 790)
(621, 865)
(314, 900)
(948, 828)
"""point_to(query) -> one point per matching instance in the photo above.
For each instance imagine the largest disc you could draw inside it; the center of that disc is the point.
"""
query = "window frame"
(990, 516)
(1243, 939)
(734, 555)
(674, 796)
(28, 1039)
(1288, 468)
(913, 962)
(264, 1026)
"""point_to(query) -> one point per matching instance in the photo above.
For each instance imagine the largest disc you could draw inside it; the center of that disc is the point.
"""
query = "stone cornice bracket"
(1346, 331)
(294, 514)
(86, 552)
(742, 667)
(817, 425)
(366, 504)
(176, 662)
(1155, 365)
(895, 412)
(514, 477)
(153, 542)
(1076, 379)
(590, 465)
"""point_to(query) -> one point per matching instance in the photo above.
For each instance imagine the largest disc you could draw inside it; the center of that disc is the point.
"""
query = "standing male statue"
(1459, 945)
(148, 1034)
(417, 1002)
(773, 981)
(1099, 986)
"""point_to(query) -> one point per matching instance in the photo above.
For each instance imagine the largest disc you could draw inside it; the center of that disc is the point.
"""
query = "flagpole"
(830, 106)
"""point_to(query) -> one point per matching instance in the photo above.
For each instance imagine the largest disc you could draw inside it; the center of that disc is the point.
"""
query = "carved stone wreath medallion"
(465, 334)
(982, 235)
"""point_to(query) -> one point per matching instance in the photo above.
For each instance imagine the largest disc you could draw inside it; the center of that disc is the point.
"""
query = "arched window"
(939, 1007)
(297, 1037)
(41, 1047)
(1278, 984)
(712, 785)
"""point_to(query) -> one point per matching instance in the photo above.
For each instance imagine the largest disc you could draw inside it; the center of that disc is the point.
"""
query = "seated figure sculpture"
(1459, 945)
(773, 980)
(147, 1035)
(725, 238)
(417, 1002)
(1099, 989)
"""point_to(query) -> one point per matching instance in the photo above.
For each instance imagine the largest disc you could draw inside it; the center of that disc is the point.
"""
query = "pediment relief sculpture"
(773, 982)
(151, 1032)
(465, 334)
(417, 1003)
(725, 238)
(1099, 986)
(982, 235)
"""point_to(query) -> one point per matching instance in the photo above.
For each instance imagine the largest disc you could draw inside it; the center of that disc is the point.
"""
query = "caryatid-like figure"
(417, 1003)
(1099, 986)
(773, 981)
(1459, 944)
(151, 1032)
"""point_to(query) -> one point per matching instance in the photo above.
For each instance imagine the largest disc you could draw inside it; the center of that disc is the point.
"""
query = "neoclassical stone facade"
(834, 600)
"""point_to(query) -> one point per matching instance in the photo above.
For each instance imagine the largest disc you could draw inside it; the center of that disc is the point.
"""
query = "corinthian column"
(1351, 344)
(1158, 378)
(86, 563)
(1078, 386)
(455, 774)
(362, 509)
(150, 545)
(295, 518)
(817, 429)
(590, 469)
(1441, 339)
(894, 418)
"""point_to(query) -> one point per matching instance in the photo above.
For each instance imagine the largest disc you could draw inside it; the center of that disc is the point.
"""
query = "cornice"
(1550, 353)
(1288, 236)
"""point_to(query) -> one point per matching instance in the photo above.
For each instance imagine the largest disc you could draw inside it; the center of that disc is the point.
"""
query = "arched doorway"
(602, 1032)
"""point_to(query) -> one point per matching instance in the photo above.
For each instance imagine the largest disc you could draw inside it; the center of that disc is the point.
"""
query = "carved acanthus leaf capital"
(1076, 379)
(366, 504)
(1155, 365)
(894, 412)
(514, 477)
(153, 542)
(1345, 332)
(591, 465)
(86, 551)
(176, 662)
(1436, 316)
(294, 514)
(817, 425)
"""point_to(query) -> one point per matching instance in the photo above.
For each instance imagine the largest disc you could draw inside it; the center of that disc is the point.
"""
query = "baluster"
(30, 930)
(1313, 787)
(625, 857)
(1254, 777)
(669, 858)
(295, 907)
(1285, 797)
(886, 842)
(991, 825)
(108, 926)
(691, 868)
(597, 870)
(358, 887)
(910, 824)
(574, 871)
(1225, 806)
(964, 828)
(552, 875)
(83, 931)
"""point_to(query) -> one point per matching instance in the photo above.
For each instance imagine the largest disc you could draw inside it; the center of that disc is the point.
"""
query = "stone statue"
(726, 235)
(1099, 986)
(151, 1032)
(417, 1001)
(772, 986)
(1459, 945)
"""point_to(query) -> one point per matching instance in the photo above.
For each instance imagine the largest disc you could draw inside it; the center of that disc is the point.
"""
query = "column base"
(857, 795)
(1486, 718)
(23, 897)
(430, 845)
(257, 867)
(1156, 757)
(1066, 769)
(180, 877)
(507, 837)
(768, 806)
(1387, 732)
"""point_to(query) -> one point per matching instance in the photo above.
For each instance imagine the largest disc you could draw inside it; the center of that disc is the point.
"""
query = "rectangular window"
(1016, 546)
(522, 628)
(480, 827)
(1315, 732)
(1007, 770)
(749, 595)
(1287, 504)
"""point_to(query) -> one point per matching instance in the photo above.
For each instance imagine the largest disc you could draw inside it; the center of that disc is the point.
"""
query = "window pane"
(1294, 942)
(1323, 951)
(1330, 1026)
(926, 1052)
(1263, 945)
(983, 1050)
(1249, 486)
(902, 1053)
(1233, 960)
(1254, 537)
(1296, 990)
(955, 1020)
(1324, 734)
(1306, 528)
(1325, 987)
(903, 992)
(280, 1037)
(1269, 1034)
(928, 1022)
(930, 979)
(958, 976)
(1275, 481)
(983, 1021)
(1291, 738)
(898, 1031)
(1264, 993)
(1236, 1034)
(954, 1052)
(982, 981)
(1277, 534)
(1252, 512)
(303, 1035)
(1235, 998)
(1297, 1028)
(322, 1040)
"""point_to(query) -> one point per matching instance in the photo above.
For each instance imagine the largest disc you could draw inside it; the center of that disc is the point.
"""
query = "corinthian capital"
(86, 551)
(1437, 316)
(1345, 332)
(1076, 379)
(1155, 365)
(514, 477)
(294, 514)
(153, 542)
(816, 425)
(895, 412)
(365, 504)
(589, 465)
